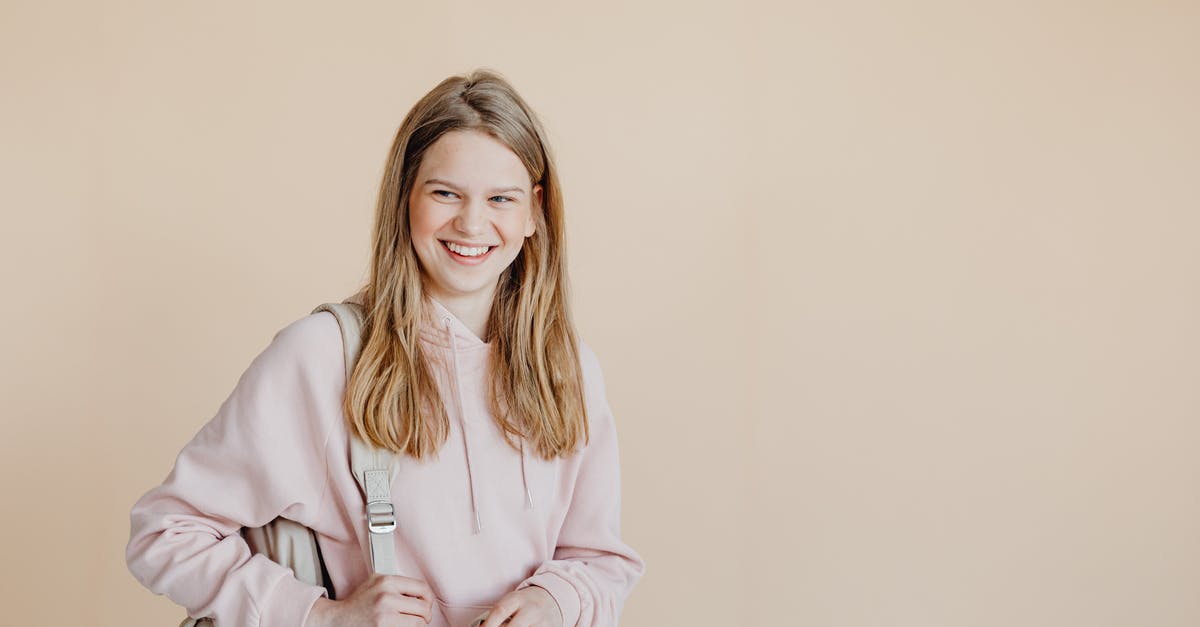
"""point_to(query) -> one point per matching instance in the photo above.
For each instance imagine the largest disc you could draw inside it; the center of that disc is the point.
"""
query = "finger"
(407, 585)
(522, 619)
(500, 614)
(413, 606)
(391, 603)
(412, 589)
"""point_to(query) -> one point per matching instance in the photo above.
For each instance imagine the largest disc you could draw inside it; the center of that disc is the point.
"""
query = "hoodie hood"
(467, 353)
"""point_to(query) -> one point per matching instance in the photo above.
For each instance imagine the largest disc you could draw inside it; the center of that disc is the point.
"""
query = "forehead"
(472, 159)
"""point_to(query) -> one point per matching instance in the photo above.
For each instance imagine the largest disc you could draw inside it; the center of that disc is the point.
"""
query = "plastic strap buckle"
(381, 517)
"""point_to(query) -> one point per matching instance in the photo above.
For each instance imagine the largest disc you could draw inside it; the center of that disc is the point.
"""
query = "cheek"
(421, 222)
(514, 228)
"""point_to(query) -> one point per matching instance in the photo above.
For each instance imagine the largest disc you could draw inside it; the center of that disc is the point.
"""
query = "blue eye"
(506, 198)
(442, 191)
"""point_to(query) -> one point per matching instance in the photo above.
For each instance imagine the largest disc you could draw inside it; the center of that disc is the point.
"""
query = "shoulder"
(592, 373)
(293, 386)
(312, 343)
(587, 357)
(589, 362)
(315, 331)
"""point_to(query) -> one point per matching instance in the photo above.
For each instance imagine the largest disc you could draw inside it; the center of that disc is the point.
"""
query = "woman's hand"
(527, 607)
(381, 601)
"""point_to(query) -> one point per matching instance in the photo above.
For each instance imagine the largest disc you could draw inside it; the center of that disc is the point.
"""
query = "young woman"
(507, 495)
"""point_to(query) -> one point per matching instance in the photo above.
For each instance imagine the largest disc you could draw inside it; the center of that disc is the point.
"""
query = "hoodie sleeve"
(262, 455)
(593, 570)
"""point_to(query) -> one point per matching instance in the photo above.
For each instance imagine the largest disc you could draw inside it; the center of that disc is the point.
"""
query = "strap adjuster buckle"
(381, 517)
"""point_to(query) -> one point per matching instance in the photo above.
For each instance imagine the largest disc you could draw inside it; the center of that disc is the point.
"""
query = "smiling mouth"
(467, 253)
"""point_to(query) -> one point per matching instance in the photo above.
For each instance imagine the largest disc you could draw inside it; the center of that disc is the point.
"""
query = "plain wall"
(897, 303)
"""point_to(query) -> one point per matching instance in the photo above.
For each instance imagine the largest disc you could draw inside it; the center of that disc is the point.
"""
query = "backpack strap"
(373, 467)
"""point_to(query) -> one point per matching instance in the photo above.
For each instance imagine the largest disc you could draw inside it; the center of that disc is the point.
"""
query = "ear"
(536, 210)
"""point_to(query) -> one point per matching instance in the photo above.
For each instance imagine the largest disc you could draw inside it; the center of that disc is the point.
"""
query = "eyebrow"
(449, 184)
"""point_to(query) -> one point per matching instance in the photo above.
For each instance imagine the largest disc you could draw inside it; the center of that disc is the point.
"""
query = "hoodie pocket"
(457, 615)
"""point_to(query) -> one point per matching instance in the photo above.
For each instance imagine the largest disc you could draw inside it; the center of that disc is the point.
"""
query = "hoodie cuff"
(290, 602)
(562, 591)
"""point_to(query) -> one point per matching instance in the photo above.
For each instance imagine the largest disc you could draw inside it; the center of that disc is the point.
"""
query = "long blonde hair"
(536, 389)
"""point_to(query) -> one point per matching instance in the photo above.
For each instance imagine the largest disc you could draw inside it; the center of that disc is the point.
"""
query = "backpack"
(293, 545)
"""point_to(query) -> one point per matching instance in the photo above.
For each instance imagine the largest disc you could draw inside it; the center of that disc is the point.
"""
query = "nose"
(471, 220)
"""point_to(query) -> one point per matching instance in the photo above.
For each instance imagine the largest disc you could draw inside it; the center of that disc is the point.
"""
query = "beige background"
(897, 303)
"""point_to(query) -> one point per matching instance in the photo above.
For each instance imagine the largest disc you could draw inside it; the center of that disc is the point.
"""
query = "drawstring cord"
(462, 423)
(524, 480)
(466, 442)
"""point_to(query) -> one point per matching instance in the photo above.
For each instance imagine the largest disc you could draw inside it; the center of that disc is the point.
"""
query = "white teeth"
(467, 251)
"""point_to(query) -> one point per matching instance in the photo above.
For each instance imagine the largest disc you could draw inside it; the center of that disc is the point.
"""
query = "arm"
(593, 570)
(261, 456)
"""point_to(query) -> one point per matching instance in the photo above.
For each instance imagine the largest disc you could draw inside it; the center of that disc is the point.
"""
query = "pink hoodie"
(476, 522)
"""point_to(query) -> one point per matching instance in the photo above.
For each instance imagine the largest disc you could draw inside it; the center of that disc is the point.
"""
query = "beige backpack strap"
(373, 467)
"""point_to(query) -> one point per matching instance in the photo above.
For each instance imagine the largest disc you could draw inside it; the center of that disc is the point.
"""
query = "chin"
(457, 289)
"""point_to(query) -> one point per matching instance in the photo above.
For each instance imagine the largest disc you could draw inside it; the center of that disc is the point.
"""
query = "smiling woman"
(506, 486)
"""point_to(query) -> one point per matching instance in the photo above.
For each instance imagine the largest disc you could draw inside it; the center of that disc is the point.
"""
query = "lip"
(471, 244)
(467, 261)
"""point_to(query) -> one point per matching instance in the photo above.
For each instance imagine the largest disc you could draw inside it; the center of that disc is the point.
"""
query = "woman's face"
(470, 210)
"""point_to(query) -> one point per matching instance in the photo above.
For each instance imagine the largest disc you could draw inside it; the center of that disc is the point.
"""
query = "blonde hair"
(536, 389)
